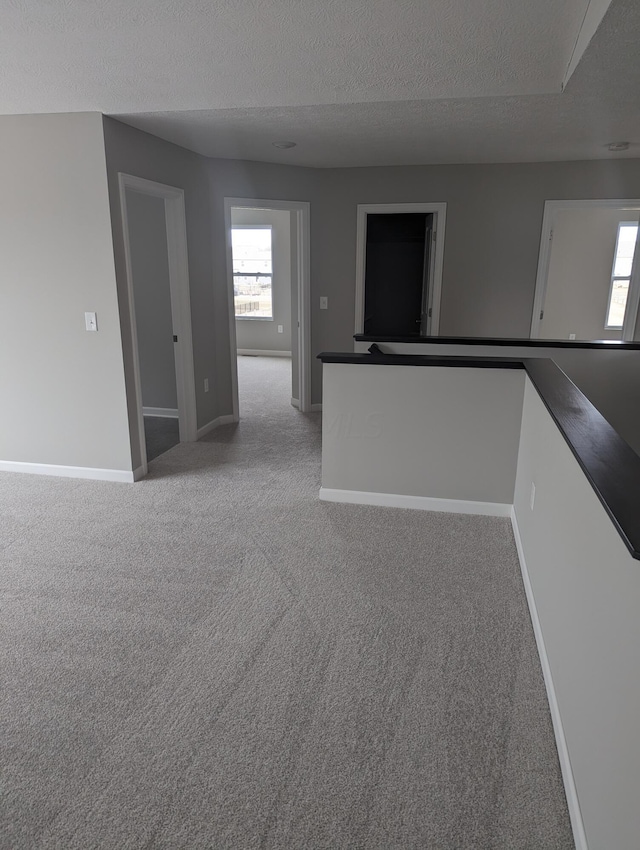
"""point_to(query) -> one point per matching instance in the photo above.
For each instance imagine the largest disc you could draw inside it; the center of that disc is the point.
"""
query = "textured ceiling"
(352, 82)
(148, 55)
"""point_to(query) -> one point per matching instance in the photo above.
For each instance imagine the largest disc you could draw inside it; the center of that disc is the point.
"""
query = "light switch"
(91, 321)
(324, 302)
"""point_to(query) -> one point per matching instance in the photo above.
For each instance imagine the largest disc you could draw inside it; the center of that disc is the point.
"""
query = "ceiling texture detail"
(380, 82)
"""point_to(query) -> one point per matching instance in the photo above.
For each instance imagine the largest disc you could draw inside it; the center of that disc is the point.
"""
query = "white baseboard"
(139, 473)
(227, 419)
(573, 804)
(263, 352)
(421, 503)
(123, 475)
(316, 407)
(163, 412)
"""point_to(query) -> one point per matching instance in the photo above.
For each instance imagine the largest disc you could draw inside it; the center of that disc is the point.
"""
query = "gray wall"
(494, 221)
(152, 295)
(579, 279)
(262, 334)
(62, 389)
(492, 242)
(133, 152)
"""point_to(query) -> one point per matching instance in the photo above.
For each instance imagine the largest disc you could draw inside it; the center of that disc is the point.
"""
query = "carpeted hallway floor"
(212, 658)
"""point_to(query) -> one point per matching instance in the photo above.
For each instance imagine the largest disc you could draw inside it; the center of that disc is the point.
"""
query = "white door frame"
(180, 303)
(551, 209)
(435, 289)
(301, 278)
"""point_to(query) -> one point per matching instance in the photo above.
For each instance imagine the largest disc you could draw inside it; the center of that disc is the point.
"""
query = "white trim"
(262, 352)
(420, 503)
(180, 302)
(227, 419)
(573, 804)
(316, 406)
(301, 274)
(551, 209)
(435, 289)
(162, 412)
(295, 403)
(121, 475)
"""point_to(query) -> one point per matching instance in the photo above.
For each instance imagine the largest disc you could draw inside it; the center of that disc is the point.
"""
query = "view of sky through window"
(621, 276)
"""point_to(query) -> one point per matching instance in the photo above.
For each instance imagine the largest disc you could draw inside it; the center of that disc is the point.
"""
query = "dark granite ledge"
(609, 463)
(422, 360)
(524, 343)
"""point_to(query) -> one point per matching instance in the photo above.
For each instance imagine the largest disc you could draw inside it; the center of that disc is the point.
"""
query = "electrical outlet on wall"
(280, 329)
(324, 302)
(206, 385)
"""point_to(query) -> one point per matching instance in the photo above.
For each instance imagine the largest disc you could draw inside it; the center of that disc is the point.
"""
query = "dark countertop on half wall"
(609, 463)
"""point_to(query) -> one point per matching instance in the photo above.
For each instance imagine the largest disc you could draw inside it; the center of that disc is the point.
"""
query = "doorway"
(261, 266)
(268, 286)
(399, 258)
(588, 281)
(397, 273)
(154, 231)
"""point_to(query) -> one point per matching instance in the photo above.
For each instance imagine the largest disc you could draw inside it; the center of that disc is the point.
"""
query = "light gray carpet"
(212, 658)
(161, 434)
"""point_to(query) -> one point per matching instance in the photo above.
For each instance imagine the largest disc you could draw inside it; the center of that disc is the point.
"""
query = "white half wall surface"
(426, 432)
(62, 388)
(586, 588)
(136, 153)
(579, 279)
(150, 272)
(608, 377)
(259, 334)
(582, 584)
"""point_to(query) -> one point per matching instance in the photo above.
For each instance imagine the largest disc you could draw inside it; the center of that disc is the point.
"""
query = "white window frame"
(615, 277)
(439, 211)
(268, 227)
(544, 258)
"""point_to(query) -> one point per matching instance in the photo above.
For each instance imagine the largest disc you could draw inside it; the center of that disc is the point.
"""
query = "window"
(252, 271)
(621, 273)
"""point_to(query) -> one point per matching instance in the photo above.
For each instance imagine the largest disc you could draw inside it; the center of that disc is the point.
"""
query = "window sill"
(254, 319)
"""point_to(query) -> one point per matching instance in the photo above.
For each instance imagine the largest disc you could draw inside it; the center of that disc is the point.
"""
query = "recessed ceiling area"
(151, 55)
(383, 82)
